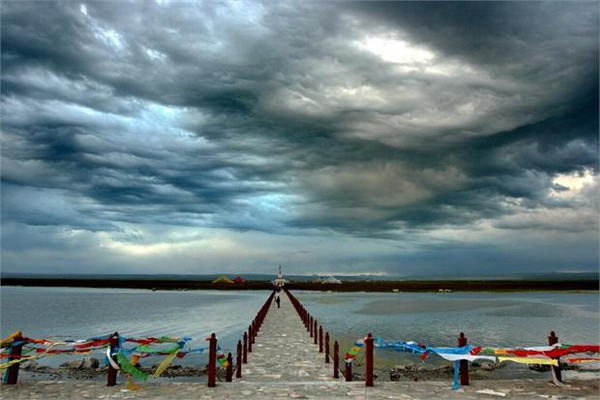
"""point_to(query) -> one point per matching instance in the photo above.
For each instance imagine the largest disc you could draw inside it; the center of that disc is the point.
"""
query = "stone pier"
(284, 351)
(286, 364)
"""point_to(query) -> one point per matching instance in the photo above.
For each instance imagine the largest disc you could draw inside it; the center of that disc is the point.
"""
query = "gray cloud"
(365, 120)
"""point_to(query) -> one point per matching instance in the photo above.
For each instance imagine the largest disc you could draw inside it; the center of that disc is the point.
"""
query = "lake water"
(436, 319)
(495, 319)
(81, 313)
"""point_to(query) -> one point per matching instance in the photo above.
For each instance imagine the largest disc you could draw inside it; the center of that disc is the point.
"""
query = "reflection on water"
(80, 313)
(503, 319)
(493, 319)
(418, 306)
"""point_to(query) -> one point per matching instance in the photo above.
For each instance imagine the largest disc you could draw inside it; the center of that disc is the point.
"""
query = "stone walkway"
(285, 364)
(518, 389)
(284, 350)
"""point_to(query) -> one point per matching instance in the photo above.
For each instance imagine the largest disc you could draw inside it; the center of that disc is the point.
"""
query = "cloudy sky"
(357, 137)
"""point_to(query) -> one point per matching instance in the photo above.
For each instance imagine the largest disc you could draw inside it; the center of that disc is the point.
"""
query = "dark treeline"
(461, 286)
(349, 286)
(134, 284)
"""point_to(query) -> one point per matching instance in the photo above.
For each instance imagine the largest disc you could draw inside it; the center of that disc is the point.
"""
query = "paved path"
(284, 351)
(485, 390)
(285, 364)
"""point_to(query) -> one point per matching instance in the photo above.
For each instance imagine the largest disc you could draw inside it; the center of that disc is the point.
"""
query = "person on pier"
(277, 299)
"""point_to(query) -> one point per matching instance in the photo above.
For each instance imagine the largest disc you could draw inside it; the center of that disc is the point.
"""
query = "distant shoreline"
(349, 286)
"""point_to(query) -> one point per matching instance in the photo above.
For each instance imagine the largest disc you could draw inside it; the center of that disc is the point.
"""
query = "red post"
(311, 326)
(212, 360)
(553, 339)
(348, 371)
(336, 360)
(369, 360)
(245, 355)
(12, 373)
(326, 347)
(238, 361)
(254, 331)
(112, 372)
(315, 330)
(464, 364)
(249, 338)
(320, 338)
(229, 369)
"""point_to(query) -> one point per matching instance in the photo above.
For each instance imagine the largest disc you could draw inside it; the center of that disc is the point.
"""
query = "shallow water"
(494, 319)
(499, 319)
(81, 313)
(436, 319)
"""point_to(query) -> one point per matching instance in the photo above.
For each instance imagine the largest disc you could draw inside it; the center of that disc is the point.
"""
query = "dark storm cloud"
(536, 38)
(369, 119)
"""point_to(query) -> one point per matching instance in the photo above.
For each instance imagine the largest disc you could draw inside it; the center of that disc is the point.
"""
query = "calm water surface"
(495, 319)
(81, 313)
(436, 319)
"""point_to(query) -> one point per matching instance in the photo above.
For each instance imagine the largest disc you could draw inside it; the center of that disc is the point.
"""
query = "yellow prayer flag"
(529, 360)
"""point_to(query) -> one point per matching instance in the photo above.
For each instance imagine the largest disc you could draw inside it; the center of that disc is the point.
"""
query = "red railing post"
(320, 338)
(245, 350)
(112, 372)
(348, 371)
(229, 369)
(369, 360)
(12, 373)
(464, 364)
(553, 339)
(249, 338)
(305, 317)
(253, 331)
(315, 330)
(336, 360)
(311, 326)
(326, 347)
(238, 361)
(212, 360)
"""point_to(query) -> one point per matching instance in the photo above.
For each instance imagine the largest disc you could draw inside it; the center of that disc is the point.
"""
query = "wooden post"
(12, 373)
(212, 360)
(336, 360)
(320, 338)
(249, 338)
(229, 369)
(245, 350)
(311, 326)
(254, 330)
(112, 372)
(369, 360)
(464, 364)
(238, 361)
(326, 347)
(348, 371)
(553, 339)
(315, 337)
